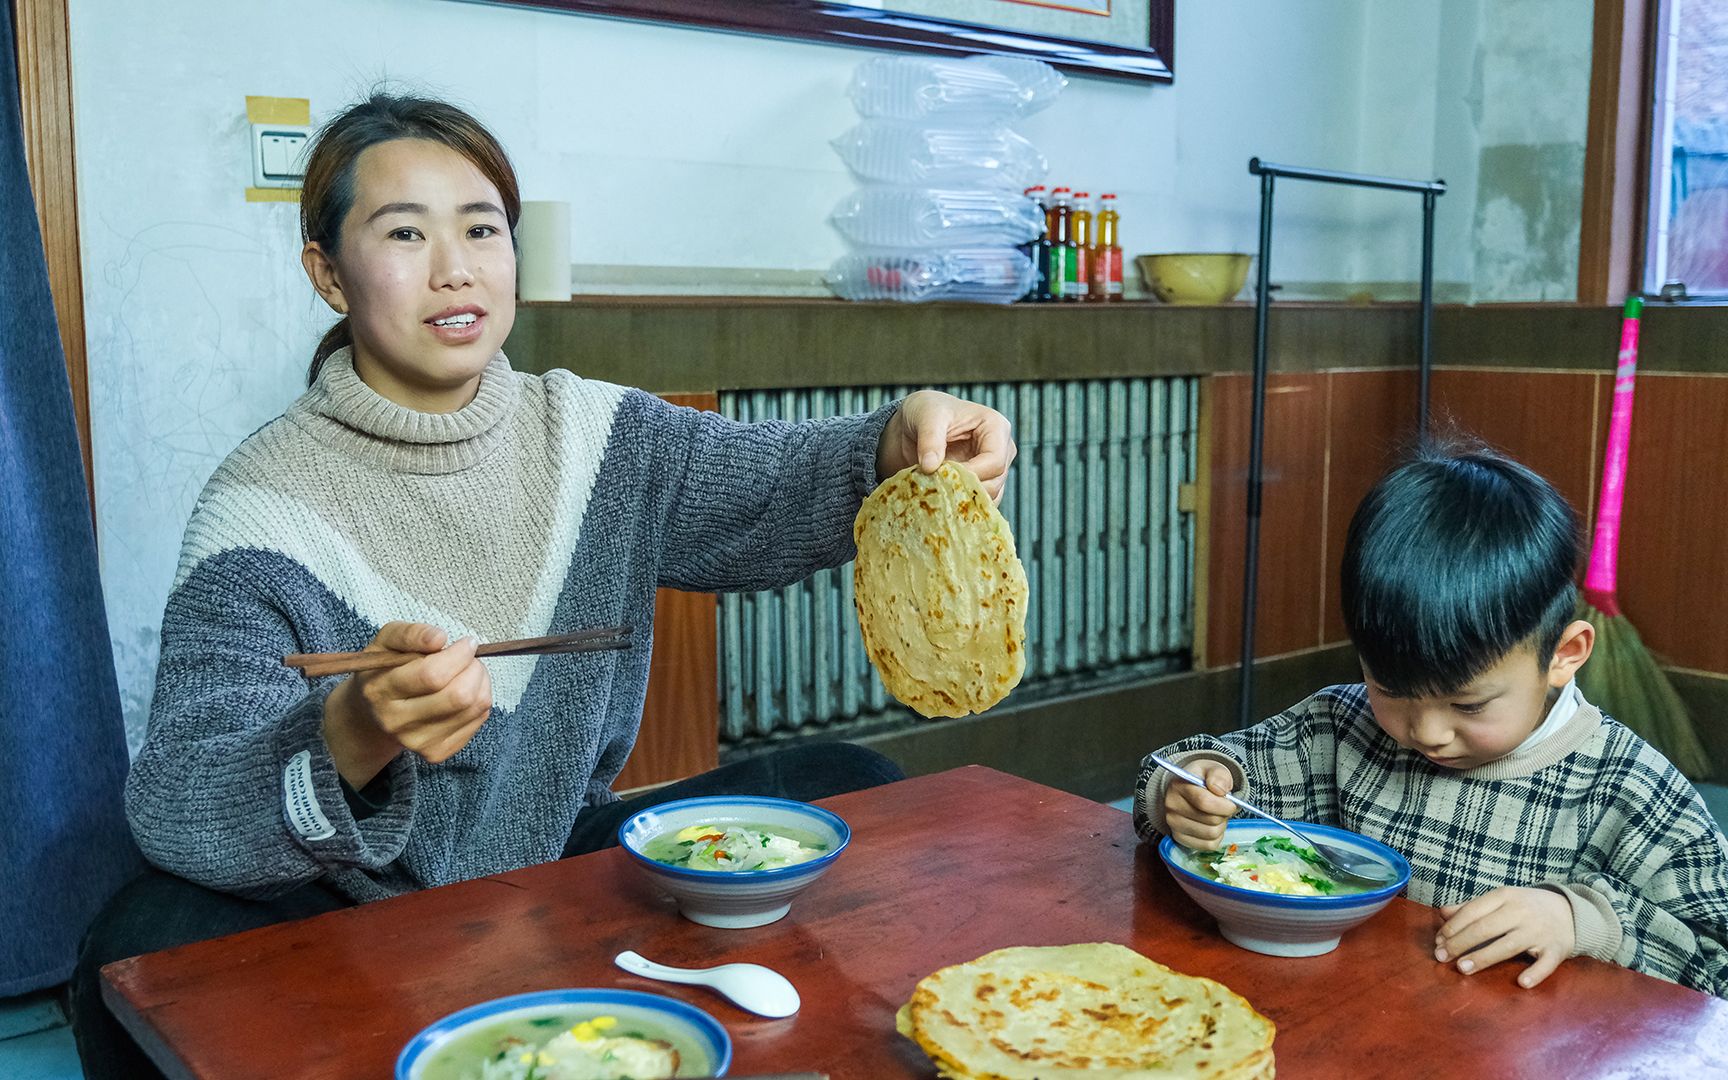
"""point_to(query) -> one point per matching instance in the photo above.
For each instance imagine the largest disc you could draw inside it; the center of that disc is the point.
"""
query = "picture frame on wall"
(1125, 39)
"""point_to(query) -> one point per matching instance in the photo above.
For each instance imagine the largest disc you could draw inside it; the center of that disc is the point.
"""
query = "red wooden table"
(941, 870)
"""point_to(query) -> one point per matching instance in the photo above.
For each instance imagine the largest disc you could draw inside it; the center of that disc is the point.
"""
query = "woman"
(423, 495)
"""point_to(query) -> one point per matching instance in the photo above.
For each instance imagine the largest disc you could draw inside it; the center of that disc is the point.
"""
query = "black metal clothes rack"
(1430, 190)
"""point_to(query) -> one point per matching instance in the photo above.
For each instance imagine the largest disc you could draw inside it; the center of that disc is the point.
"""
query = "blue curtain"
(64, 846)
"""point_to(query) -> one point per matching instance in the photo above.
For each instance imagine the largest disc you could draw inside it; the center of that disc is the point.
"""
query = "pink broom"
(1622, 678)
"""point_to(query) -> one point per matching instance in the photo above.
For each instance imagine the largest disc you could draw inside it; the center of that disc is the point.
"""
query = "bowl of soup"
(734, 861)
(570, 1034)
(1272, 895)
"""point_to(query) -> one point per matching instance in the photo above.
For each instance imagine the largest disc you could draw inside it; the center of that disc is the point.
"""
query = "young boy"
(1535, 823)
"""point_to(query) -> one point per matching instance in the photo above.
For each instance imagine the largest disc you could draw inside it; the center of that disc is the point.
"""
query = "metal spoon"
(1342, 862)
(761, 990)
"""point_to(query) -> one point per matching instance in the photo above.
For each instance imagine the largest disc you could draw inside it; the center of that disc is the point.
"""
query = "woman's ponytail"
(339, 336)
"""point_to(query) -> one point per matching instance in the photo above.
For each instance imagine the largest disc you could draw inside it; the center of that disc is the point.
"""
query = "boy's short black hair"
(1455, 558)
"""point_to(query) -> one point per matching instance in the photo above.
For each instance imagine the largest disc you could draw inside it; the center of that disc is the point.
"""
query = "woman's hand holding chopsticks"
(432, 705)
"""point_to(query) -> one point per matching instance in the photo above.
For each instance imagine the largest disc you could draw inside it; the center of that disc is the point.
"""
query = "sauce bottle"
(1078, 286)
(1106, 253)
(1038, 249)
(1062, 250)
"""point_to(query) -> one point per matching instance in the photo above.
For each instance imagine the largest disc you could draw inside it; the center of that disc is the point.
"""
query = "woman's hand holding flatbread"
(931, 427)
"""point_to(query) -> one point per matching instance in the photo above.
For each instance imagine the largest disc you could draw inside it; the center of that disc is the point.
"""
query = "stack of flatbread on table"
(1091, 1011)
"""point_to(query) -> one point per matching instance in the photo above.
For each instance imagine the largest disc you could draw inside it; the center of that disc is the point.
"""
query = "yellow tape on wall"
(278, 110)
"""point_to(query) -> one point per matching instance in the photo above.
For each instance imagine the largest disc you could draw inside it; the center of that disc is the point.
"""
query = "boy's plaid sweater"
(1591, 811)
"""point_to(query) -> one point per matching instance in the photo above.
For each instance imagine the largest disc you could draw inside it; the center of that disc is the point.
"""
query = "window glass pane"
(1692, 241)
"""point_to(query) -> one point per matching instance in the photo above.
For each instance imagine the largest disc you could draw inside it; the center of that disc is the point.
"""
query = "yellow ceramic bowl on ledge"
(1196, 278)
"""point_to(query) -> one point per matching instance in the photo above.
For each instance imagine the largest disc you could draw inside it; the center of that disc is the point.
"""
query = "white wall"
(1533, 90)
(1401, 86)
(688, 147)
(1457, 135)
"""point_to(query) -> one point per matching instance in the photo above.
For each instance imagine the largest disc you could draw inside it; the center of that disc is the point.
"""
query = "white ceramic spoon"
(761, 990)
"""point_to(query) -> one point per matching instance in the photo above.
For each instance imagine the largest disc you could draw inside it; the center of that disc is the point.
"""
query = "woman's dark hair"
(1455, 558)
(328, 192)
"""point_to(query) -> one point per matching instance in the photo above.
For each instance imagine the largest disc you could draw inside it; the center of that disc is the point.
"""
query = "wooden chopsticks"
(342, 663)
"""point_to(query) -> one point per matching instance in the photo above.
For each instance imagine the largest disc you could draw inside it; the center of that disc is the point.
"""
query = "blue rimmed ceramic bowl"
(1284, 925)
(741, 898)
(453, 1046)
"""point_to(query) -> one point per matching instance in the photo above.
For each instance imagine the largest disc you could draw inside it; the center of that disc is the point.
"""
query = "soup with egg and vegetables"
(1272, 864)
(563, 1046)
(735, 846)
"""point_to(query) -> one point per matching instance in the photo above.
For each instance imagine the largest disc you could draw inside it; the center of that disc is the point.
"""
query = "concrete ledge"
(702, 344)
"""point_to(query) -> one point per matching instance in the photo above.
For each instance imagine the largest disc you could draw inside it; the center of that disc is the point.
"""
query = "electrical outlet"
(279, 154)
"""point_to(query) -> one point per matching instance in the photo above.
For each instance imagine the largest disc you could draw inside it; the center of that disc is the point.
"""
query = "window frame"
(1611, 238)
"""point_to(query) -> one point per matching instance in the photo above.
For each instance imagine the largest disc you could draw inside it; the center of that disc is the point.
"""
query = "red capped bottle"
(1038, 249)
(1062, 251)
(1106, 261)
(1077, 286)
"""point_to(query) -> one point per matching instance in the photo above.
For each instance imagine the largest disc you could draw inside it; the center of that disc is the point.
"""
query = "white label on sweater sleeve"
(301, 800)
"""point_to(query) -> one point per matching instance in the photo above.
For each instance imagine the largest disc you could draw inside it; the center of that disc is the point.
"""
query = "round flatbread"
(1093, 1010)
(940, 592)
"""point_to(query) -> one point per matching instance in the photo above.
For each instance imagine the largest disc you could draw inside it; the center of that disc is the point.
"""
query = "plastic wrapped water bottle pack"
(980, 275)
(941, 206)
(908, 217)
(916, 88)
(907, 152)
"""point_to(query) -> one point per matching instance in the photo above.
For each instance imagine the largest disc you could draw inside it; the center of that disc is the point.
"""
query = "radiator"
(1092, 500)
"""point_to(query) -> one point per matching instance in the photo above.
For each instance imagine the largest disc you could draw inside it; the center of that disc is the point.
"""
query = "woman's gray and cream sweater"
(546, 505)
(1591, 811)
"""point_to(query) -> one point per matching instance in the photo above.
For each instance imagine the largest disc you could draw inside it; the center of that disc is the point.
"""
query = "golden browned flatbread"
(1098, 1011)
(940, 592)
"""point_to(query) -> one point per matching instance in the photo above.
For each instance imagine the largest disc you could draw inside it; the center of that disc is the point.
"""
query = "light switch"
(279, 154)
(275, 156)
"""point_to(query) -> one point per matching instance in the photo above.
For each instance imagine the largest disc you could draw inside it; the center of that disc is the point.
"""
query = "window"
(1687, 250)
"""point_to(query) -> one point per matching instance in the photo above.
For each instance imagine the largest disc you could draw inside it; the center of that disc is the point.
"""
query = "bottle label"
(1062, 270)
(1073, 284)
(1083, 272)
(1107, 275)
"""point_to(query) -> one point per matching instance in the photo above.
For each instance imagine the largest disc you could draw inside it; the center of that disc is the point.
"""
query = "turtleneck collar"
(345, 412)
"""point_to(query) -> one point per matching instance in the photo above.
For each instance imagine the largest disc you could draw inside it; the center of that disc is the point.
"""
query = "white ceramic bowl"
(733, 899)
(1285, 925)
(704, 1044)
